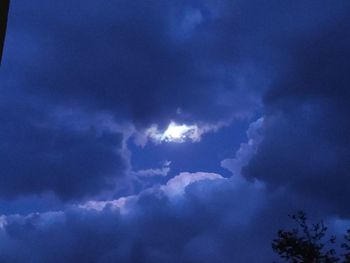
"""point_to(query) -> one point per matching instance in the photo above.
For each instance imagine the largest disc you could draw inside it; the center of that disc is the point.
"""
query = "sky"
(171, 131)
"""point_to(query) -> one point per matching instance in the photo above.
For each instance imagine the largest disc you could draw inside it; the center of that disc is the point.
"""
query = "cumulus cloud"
(121, 204)
(232, 219)
(176, 186)
(306, 136)
(155, 223)
(199, 64)
(246, 150)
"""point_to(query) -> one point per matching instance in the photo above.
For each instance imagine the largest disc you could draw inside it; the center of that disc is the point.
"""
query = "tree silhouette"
(4, 9)
(307, 243)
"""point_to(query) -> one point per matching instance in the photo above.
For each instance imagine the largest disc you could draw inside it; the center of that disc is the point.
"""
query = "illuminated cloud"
(121, 204)
(177, 185)
(247, 149)
(153, 172)
(163, 171)
(97, 80)
(177, 133)
(174, 187)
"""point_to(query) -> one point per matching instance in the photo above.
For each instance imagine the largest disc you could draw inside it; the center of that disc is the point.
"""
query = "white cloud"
(153, 172)
(120, 203)
(176, 133)
(174, 187)
(246, 150)
(163, 171)
(177, 185)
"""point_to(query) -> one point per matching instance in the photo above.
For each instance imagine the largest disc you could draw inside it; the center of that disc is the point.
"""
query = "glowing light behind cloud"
(177, 133)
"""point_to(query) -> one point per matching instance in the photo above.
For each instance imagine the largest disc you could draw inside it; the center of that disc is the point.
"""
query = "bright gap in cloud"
(178, 133)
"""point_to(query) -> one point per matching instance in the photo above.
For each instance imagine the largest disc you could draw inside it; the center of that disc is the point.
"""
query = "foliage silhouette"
(309, 243)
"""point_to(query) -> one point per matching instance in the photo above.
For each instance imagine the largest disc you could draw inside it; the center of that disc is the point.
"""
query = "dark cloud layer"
(223, 220)
(149, 62)
(200, 226)
(306, 144)
(39, 155)
(140, 60)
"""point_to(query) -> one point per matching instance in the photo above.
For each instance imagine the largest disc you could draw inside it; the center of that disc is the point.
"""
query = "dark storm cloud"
(140, 60)
(39, 155)
(144, 60)
(307, 142)
(223, 220)
(200, 226)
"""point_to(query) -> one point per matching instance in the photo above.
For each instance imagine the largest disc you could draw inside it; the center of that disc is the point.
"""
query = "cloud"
(194, 217)
(164, 171)
(176, 133)
(153, 172)
(154, 229)
(40, 155)
(176, 186)
(100, 58)
(213, 219)
(246, 150)
(145, 63)
(306, 140)
(123, 204)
